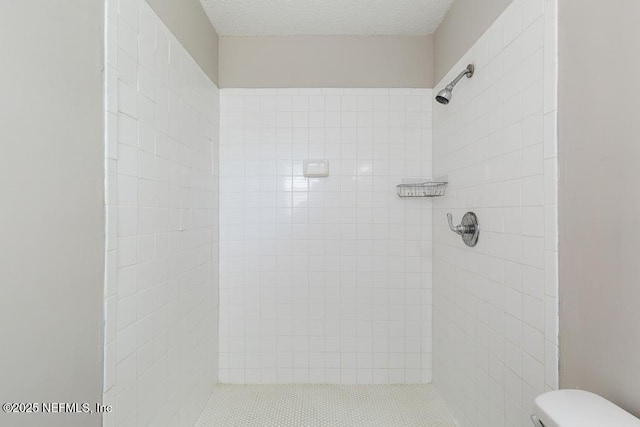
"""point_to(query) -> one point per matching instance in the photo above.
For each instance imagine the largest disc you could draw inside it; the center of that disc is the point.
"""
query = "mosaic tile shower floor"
(325, 405)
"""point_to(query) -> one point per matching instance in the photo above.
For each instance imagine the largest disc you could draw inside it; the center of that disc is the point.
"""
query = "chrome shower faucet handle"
(469, 228)
(458, 229)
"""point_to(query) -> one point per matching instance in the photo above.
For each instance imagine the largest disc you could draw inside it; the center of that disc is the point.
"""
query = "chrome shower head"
(445, 95)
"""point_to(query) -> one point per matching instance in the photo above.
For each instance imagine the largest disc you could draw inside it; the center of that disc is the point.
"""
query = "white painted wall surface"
(324, 280)
(496, 305)
(162, 224)
(599, 270)
(326, 61)
(52, 215)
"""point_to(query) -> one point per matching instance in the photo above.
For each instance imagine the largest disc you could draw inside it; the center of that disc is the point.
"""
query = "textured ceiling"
(325, 17)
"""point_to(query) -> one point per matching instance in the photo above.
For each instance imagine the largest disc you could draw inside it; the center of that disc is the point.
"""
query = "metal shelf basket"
(422, 189)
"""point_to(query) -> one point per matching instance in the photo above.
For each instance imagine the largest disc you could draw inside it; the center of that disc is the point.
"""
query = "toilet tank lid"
(578, 408)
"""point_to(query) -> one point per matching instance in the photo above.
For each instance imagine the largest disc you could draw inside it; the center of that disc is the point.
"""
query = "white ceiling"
(325, 17)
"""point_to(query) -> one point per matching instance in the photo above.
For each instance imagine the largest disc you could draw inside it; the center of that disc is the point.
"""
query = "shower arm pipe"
(467, 72)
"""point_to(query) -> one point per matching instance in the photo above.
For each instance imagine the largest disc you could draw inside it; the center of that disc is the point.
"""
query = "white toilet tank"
(577, 408)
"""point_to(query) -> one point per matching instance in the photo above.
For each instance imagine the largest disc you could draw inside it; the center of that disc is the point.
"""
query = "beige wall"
(188, 21)
(599, 199)
(326, 61)
(51, 182)
(465, 22)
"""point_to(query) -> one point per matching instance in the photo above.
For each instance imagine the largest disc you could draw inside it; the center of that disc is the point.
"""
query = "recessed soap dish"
(315, 168)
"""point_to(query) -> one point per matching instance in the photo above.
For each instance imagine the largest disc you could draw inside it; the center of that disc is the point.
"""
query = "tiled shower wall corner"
(496, 305)
(162, 224)
(324, 280)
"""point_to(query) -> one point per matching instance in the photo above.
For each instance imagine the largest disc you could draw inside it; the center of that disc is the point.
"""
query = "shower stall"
(228, 269)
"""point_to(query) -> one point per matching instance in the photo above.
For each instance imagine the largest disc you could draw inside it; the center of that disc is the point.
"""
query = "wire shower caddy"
(422, 189)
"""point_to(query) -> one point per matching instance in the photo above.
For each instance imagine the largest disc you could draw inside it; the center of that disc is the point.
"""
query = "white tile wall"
(495, 305)
(162, 224)
(324, 280)
(328, 280)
